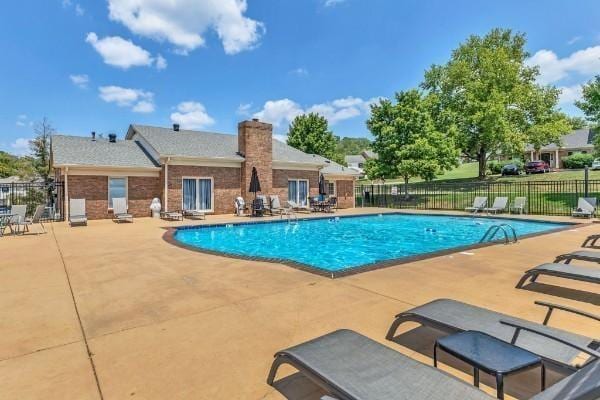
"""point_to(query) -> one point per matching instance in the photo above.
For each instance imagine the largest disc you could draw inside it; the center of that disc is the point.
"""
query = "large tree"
(590, 104)
(407, 141)
(40, 147)
(489, 96)
(310, 133)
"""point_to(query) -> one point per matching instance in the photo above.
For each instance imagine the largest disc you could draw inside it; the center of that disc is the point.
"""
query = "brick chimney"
(255, 144)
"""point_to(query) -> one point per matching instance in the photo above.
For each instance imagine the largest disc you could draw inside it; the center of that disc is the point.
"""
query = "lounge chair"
(586, 207)
(350, 366)
(18, 217)
(77, 215)
(172, 215)
(574, 272)
(240, 207)
(580, 255)
(276, 206)
(298, 207)
(120, 213)
(194, 214)
(500, 204)
(590, 241)
(265, 203)
(478, 204)
(519, 205)
(455, 316)
(36, 218)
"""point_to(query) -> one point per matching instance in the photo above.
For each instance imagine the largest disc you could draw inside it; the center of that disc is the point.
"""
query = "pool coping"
(169, 237)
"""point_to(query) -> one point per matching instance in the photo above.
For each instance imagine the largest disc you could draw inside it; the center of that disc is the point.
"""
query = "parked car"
(511, 169)
(596, 164)
(533, 167)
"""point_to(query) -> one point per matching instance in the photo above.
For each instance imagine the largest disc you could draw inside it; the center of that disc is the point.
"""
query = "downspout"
(166, 199)
(66, 188)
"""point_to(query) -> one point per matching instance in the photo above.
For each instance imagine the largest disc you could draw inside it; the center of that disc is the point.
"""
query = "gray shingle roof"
(333, 168)
(187, 143)
(358, 158)
(83, 151)
(577, 139)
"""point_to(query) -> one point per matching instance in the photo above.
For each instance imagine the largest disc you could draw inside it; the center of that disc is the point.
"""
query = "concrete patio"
(162, 322)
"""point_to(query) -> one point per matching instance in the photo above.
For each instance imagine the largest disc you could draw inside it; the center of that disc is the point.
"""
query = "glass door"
(189, 194)
(197, 194)
(303, 193)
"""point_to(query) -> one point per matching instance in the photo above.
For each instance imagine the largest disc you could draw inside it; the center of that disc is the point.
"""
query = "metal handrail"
(492, 230)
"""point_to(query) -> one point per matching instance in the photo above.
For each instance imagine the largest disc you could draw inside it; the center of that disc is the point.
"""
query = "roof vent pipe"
(255, 119)
(176, 127)
(112, 137)
(93, 136)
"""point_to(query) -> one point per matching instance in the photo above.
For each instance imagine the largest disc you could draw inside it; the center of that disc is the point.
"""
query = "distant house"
(357, 161)
(577, 141)
(190, 169)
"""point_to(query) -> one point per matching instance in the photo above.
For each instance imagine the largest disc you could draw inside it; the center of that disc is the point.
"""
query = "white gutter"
(66, 188)
(166, 199)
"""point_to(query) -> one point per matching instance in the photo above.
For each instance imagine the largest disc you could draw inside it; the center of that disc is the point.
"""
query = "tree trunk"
(482, 159)
(406, 196)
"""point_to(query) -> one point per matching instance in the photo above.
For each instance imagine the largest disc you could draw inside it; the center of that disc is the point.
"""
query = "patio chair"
(194, 214)
(580, 255)
(36, 218)
(172, 215)
(240, 207)
(258, 208)
(519, 205)
(298, 207)
(479, 204)
(500, 204)
(350, 366)
(18, 217)
(566, 271)
(120, 213)
(586, 207)
(265, 203)
(455, 316)
(276, 205)
(332, 204)
(77, 215)
(590, 241)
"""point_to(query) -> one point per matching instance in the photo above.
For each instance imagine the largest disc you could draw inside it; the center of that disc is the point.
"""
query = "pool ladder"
(510, 235)
(292, 218)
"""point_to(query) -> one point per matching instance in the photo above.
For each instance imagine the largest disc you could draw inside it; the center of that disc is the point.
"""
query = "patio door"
(298, 191)
(197, 194)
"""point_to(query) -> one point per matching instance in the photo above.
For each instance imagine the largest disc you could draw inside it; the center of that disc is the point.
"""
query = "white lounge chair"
(586, 207)
(36, 218)
(77, 215)
(194, 214)
(500, 204)
(18, 217)
(519, 205)
(240, 206)
(276, 206)
(120, 213)
(298, 207)
(478, 204)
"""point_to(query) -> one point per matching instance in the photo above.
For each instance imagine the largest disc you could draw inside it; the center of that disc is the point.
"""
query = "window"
(197, 194)
(331, 188)
(298, 191)
(117, 188)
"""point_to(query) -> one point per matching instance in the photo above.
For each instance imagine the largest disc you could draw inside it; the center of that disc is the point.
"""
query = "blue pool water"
(336, 244)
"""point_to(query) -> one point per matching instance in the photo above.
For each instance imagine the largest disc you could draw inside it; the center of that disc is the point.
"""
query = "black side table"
(491, 355)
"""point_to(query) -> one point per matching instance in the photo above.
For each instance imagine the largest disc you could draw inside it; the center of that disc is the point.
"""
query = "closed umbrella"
(254, 182)
(322, 188)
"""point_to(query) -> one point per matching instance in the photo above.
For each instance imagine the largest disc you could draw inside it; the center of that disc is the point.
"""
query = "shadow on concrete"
(560, 291)
(298, 387)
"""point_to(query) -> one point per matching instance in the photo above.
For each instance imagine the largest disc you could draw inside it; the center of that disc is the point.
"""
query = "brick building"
(190, 169)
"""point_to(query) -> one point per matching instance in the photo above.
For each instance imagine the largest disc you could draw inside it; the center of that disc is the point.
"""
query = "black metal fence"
(34, 194)
(543, 197)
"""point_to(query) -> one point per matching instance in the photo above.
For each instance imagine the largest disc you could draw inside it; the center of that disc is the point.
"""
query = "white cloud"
(281, 138)
(122, 53)
(138, 100)
(244, 109)
(67, 3)
(584, 63)
(79, 10)
(331, 3)
(20, 146)
(192, 115)
(569, 94)
(80, 80)
(21, 120)
(574, 40)
(285, 110)
(184, 23)
(300, 71)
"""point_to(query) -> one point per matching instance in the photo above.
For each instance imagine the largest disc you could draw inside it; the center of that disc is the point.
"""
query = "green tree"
(40, 147)
(590, 104)
(348, 146)
(310, 133)
(488, 95)
(407, 141)
(577, 122)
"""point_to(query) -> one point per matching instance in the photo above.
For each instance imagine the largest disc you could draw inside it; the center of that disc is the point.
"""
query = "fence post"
(586, 181)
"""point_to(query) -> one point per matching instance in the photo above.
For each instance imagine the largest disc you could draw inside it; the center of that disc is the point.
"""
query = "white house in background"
(357, 161)
(577, 141)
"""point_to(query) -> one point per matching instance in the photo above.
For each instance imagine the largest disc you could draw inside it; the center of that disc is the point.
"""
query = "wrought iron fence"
(34, 194)
(543, 197)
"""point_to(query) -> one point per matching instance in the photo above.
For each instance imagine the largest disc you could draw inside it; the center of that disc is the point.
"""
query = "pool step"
(510, 235)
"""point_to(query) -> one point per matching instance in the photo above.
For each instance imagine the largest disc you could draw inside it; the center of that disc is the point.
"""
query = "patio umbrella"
(254, 182)
(322, 188)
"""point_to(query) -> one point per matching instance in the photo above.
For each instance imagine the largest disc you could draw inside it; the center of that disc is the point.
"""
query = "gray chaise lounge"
(590, 241)
(349, 366)
(567, 271)
(455, 316)
(581, 255)
(586, 207)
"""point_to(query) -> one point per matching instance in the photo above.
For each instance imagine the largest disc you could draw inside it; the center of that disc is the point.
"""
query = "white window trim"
(212, 191)
(334, 183)
(298, 189)
(126, 189)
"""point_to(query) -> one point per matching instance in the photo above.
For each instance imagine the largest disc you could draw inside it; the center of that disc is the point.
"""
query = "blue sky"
(207, 64)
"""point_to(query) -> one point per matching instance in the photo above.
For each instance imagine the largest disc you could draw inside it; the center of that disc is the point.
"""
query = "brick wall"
(345, 193)
(226, 185)
(280, 182)
(141, 191)
(255, 142)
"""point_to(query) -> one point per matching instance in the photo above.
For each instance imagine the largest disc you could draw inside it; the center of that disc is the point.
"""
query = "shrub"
(495, 167)
(578, 160)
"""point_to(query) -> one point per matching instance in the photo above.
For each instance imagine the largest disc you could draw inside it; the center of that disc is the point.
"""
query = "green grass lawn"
(468, 172)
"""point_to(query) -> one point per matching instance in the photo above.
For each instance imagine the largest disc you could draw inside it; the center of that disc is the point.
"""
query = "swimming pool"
(338, 244)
